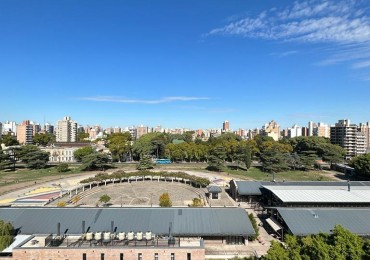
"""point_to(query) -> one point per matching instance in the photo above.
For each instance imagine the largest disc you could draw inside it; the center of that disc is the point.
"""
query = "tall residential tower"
(66, 130)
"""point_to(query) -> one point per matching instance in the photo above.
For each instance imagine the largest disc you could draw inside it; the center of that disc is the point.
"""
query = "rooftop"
(185, 221)
(307, 221)
(321, 194)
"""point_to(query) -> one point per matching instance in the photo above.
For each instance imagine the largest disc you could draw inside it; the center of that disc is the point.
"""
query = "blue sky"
(185, 63)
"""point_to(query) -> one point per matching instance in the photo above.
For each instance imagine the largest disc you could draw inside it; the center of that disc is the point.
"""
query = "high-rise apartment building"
(141, 130)
(349, 137)
(36, 127)
(9, 127)
(226, 126)
(322, 130)
(271, 129)
(294, 131)
(365, 129)
(311, 127)
(25, 133)
(66, 130)
(48, 128)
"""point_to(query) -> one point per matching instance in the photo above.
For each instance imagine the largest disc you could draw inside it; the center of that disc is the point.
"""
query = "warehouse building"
(302, 194)
(309, 221)
(124, 233)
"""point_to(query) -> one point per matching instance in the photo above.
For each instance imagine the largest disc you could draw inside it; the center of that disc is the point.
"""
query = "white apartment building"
(66, 130)
(349, 137)
(9, 126)
(294, 131)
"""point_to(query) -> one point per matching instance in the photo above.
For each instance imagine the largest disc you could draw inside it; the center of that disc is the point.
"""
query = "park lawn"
(22, 175)
(256, 174)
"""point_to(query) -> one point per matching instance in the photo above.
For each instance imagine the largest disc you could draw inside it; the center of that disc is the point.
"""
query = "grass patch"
(9, 177)
(255, 173)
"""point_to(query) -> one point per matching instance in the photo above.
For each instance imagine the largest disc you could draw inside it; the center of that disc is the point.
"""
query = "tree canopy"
(361, 164)
(340, 244)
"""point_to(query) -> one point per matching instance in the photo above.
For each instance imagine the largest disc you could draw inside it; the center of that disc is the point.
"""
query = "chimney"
(58, 229)
(83, 226)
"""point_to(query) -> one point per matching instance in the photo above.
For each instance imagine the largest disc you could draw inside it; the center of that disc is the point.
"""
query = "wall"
(109, 253)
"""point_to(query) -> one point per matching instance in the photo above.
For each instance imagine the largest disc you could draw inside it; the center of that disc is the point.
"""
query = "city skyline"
(185, 64)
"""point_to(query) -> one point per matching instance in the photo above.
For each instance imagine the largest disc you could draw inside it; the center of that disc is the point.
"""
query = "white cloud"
(362, 64)
(142, 101)
(313, 21)
(344, 25)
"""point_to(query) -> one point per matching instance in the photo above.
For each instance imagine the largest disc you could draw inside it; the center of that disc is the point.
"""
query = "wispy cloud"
(115, 99)
(311, 21)
(343, 25)
(284, 54)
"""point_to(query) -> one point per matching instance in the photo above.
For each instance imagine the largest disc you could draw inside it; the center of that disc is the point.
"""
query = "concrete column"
(90, 186)
(83, 188)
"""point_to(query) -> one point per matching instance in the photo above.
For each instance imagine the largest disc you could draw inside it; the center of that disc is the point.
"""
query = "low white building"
(61, 154)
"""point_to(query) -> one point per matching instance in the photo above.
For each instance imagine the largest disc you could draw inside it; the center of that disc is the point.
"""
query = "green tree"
(346, 245)
(277, 252)
(165, 200)
(255, 227)
(243, 154)
(33, 157)
(273, 161)
(217, 159)
(82, 137)
(307, 159)
(63, 167)
(104, 199)
(197, 202)
(43, 139)
(5, 161)
(82, 152)
(331, 153)
(9, 140)
(119, 145)
(95, 161)
(145, 163)
(6, 234)
(361, 164)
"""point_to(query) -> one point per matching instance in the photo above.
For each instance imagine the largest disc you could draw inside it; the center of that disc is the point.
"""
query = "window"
(172, 256)
(84, 256)
(102, 256)
(188, 257)
(140, 256)
(121, 256)
(156, 256)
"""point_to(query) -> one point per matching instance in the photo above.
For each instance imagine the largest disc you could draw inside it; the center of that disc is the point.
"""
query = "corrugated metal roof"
(214, 189)
(254, 187)
(321, 194)
(248, 187)
(185, 221)
(307, 221)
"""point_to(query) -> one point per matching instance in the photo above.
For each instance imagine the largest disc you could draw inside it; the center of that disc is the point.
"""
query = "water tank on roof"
(107, 236)
(98, 236)
(89, 236)
(121, 236)
(148, 235)
(139, 235)
(130, 235)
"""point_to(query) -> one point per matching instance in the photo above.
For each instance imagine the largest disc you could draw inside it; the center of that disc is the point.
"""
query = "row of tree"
(31, 155)
(118, 175)
(340, 244)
